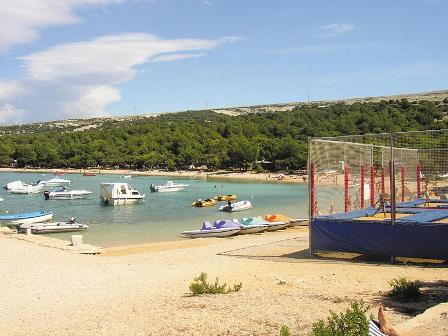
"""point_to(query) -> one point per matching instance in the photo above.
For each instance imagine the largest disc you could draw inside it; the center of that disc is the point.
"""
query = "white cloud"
(335, 29)
(21, 20)
(76, 80)
(174, 57)
(329, 48)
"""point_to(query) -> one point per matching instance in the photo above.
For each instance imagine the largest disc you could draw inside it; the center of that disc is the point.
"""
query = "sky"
(87, 58)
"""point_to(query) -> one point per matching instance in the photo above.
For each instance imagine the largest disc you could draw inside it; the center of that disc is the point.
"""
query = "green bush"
(201, 286)
(259, 169)
(405, 289)
(353, 322)
(285, 331)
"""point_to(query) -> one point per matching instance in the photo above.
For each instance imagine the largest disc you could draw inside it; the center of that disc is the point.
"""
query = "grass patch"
(352, 322)
(200, 286)
(285, 331)
(405, 289)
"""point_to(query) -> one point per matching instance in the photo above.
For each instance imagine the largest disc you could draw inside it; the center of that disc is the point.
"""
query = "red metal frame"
(362, 184)
(313, 191)
(372, 185)
(346, 191)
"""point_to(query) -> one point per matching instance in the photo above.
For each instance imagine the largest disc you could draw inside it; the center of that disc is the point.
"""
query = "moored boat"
(13, 185)
(56, 182)
(1, 199)
(119, 194)
(30, 217)
(221, 198)
(53, 227)
(237, 206)
(27, 189)
(126, 176)
(204, 203)
(275, 222)
(168, 187)
(66, 194)
(290, 221)
(223, 229)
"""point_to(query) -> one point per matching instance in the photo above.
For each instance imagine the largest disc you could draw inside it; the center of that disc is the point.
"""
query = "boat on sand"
(251, 225)
(223, 228)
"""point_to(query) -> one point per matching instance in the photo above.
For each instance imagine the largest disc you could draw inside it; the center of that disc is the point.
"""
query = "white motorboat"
(31, 217)
(168, 187)
(28, 189)
(65, 194)
(119, 194)
(126, 176)
(237, 206)
(208, 231)
(56, 182)
(1, 199)
(54, 227)
(13, 185)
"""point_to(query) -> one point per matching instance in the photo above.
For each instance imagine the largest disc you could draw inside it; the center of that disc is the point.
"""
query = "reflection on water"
(163, 215)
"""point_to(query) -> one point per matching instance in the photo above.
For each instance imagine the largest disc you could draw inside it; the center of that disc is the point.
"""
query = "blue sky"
(85, 58)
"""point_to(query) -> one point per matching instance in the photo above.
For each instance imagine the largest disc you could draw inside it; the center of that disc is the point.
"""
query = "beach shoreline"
(213, 175)
(143, 290)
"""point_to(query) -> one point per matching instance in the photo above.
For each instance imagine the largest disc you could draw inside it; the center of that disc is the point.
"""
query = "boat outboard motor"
(47, 194)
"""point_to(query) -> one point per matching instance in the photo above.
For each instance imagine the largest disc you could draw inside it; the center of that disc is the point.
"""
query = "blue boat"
(30, 217)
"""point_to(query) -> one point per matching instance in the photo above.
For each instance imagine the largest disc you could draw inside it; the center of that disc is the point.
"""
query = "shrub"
(352, 322)
(285, 331)
(405, 289)
(201, 286)
(259, 169)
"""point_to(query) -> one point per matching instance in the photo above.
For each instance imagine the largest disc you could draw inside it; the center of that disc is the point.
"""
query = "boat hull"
(249, 229)
(298, 222)
(274, 226)
(68, 195)
(36, 219)
(172, 189)
(53, 227)
(225, 232)
(121, 201)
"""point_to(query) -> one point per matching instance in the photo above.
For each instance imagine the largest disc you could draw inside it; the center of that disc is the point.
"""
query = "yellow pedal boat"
(225, 198)
(204, 203)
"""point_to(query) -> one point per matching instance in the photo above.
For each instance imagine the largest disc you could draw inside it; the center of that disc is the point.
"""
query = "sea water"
(163, 216)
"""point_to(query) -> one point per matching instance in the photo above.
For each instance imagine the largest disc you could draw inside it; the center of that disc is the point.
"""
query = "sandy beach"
(219, 175)
(143, 289)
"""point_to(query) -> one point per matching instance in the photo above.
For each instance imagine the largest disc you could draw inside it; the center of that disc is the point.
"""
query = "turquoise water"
(163, 216)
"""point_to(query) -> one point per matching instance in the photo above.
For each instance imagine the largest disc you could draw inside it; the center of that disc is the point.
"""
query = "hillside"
(178, 140)
(73, 125)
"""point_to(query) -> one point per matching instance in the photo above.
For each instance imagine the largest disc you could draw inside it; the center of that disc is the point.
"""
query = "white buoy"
(77, 240)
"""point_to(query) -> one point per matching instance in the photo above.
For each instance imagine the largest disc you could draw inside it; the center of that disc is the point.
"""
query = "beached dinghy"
(251, 225)
(225, 229)
(31, 217)
(13, 185)
(119, 194)
(291, 221)
(65, 194)
(168, 187)
(237, 206)
(56, 182)
(274, 223)
(53, 227)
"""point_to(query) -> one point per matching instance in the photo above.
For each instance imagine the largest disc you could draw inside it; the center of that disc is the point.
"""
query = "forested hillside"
(178, 140)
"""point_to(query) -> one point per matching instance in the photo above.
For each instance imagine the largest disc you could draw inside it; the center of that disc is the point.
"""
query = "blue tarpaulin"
(404, 239)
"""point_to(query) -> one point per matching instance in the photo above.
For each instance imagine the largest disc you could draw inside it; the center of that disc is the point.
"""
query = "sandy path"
(51, 292)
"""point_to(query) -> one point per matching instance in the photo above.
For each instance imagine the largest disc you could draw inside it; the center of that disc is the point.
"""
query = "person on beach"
(426, 194)
(382, 205)
(385, 326)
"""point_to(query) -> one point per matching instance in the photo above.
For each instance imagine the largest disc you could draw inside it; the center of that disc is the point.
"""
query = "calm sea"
(163, 216)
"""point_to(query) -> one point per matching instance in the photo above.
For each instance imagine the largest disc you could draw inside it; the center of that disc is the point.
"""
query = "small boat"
(27, 189)
(275, 223)
(126, 176)
(56, 182)
(237, 206)
(53, 227)
(66, 194)
(119, 194)
(224, 229)
(31, 217)
(251, 225)
(282, 218)
(1, 199)
(221, 198)
(13, 185)
(88, 174)
(168, 187)
(204, 203)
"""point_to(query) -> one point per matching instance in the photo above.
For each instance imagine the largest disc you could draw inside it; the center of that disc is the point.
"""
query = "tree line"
(179, 140)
